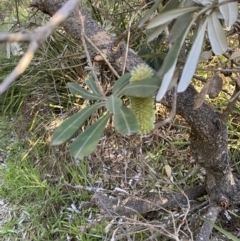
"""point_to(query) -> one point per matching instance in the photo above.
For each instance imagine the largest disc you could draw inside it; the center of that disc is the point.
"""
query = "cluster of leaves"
(125, 121)
(206, 15)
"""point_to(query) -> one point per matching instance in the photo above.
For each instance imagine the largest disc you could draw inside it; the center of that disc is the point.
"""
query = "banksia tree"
(143, 108)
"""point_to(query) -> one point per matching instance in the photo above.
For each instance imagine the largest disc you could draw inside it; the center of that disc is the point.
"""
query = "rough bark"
(209, 133)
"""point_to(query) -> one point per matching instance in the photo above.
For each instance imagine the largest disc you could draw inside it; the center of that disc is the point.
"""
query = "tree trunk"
(209, 133)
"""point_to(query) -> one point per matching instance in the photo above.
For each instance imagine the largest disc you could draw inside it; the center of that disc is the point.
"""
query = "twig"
(103, 56)
(36, 39)
(83, 36)
(218, 70)
(16, 37)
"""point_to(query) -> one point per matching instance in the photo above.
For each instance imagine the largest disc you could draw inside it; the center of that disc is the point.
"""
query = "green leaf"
(142, 88)
(90, 82)
(77, 89)
(180, 25)
(157, 32)
(169, 16)
(87, 141)
(70, 126)
(166, 82)
(113, 104)
(229, 12)
(216, 35)
(171, 4)
(149, 13)
(121, 83)
(192, 60)
(125, 121)
(171, 58)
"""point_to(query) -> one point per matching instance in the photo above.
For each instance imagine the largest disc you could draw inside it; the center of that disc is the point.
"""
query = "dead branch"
(132, 205)
(35, 39)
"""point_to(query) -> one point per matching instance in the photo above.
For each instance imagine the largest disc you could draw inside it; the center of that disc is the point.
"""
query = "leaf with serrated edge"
(216, 35)
(77, 89)
(70, 126)
(165, 82)
(87, 141)
(121, 83)
(192, 60)
(125, 121)
(141, 88)
(170, 15)
(90, 82)
(229, 12)
(113, 104)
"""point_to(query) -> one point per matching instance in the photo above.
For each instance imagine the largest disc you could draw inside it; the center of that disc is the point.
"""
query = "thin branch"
(103, 57)
(236, 70)
(16, 37)
(83, 36)
(36, 38)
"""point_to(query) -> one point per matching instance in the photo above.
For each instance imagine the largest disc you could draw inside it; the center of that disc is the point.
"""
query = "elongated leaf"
(166, 82)
(174, 78)
(90, 82)
(113, 104)
(77, 89)
(87, 141)
(149, 13)
(171, 4)
(142, 88)
(121, 83)
(170, 15)
(192, 60)
(203, 2)
(180, 25)
(157, 32)
(216, 35)
(229, 12)
(70, 126)
(125, 121)
(173, 53)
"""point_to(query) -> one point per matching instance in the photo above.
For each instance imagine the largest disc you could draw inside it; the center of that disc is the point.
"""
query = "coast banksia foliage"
(143, 108)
